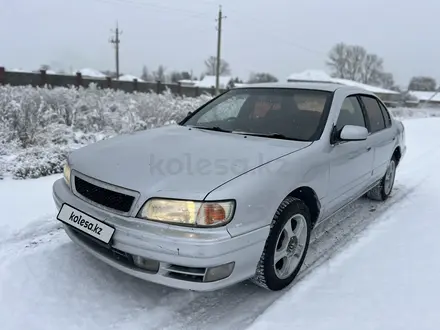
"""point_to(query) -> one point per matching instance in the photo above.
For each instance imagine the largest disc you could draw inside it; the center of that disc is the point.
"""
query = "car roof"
(330, 87)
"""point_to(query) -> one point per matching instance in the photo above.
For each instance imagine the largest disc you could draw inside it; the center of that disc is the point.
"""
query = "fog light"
(147, 264)
(219, 272)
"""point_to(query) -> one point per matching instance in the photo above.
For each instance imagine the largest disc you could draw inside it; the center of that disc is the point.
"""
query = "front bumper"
(183, 253)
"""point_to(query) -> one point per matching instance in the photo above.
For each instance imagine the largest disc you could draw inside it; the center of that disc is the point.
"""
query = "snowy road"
(48, 283)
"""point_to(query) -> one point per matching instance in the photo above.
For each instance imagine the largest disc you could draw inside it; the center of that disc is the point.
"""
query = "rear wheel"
(383, 190)
(286, 246)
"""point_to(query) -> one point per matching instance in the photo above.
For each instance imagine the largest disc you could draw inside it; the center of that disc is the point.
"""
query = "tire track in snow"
(40, 227)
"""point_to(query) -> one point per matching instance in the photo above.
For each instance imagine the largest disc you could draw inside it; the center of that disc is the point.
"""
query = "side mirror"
(353, 133)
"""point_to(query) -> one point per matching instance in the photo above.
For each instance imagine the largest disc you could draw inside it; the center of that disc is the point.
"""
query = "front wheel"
(286, 246)
(383, 190)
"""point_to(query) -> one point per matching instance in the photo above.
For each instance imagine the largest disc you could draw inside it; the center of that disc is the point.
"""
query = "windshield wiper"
(214, 128)
(271, 135)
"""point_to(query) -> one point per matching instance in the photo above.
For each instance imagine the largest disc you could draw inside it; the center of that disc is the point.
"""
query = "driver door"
(351, 162)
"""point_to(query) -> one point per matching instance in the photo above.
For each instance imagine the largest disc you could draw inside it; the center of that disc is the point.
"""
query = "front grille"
(108, 198)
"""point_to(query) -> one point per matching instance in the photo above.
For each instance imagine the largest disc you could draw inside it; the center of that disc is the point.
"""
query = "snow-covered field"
(373, 266)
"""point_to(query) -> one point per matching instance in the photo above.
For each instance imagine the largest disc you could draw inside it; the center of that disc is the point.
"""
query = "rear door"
(382, 136)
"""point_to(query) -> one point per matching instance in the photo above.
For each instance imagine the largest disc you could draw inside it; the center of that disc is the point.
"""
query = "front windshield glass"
(296, 114)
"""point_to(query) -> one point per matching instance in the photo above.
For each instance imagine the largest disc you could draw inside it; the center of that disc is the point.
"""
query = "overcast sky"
(277, 36)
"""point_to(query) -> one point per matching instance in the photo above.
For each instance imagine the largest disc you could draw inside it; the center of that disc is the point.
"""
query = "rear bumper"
(191, 251)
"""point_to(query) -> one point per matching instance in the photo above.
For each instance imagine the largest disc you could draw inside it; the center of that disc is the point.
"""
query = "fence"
(57, 80)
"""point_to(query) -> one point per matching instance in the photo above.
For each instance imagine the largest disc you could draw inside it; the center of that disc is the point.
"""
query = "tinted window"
(295, 113)
(374, 113)
(386, 115)
(350, 114)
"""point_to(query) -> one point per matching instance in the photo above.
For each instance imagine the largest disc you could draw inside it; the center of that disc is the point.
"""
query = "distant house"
(47, 71)
(129, 77)
(389, 97)
(91, 73)
(187, 82)
(209, 82)
(32, 71)
(418, 98)
(18, 70)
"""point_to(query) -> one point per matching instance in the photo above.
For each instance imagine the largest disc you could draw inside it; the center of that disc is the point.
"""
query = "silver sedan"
(234, 190)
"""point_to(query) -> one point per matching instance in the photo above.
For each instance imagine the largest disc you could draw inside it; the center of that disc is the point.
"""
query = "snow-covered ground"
(354, 277)
(388, 277)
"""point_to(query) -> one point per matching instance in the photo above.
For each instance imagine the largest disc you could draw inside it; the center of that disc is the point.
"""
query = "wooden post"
(179, 88)
(158, 89)
(43, 78)
(135, 85)
(109, 82)
(2, 76)
(79, 79)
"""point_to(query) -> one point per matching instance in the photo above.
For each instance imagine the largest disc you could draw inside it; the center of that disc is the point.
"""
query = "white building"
(91, 73)
(388, 96)
(419, 98)
(130, 77)
(188, 82)
(209, 82)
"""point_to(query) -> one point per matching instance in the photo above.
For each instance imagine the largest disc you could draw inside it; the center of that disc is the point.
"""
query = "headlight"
(66, 173)
(203, 214)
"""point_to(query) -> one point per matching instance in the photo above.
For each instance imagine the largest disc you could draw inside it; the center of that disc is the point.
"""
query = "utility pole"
(116, 41)
(219, 44)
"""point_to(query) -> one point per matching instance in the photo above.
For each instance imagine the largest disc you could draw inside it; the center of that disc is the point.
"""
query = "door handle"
(368, 148)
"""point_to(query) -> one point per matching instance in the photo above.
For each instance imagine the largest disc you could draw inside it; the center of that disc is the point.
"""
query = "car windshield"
(296, 114)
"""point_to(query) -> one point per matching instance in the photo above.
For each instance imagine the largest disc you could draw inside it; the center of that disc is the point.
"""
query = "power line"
(189, 13)
(272, 35)
(194, 14)
(116, 41)
(219, 45)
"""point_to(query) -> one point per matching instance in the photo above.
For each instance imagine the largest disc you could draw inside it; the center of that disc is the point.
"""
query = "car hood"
(176, 161)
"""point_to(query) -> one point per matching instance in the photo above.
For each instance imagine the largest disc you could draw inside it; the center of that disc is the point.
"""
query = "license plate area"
(85, 223)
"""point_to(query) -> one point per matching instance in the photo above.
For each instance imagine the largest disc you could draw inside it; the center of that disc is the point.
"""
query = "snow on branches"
(39, 126)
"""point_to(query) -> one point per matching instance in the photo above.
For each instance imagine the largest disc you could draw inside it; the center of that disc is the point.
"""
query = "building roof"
(209, 82)
(321, 86)
(425, 96)
(87, 72)
(321, 76)
(129, 77)
(188, 82)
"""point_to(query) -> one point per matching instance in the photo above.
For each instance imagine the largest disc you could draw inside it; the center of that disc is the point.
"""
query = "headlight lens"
(204, 214)
(66, 173)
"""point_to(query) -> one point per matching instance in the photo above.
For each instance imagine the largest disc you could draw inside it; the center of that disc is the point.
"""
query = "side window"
(351, 114)
(374, 113)
(386, 115)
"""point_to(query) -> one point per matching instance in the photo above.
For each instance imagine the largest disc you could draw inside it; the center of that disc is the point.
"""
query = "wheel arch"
(397, 154)
(310, 198)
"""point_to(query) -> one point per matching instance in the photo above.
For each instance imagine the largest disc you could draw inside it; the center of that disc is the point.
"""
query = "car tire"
(383, 190)
(293, 243)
